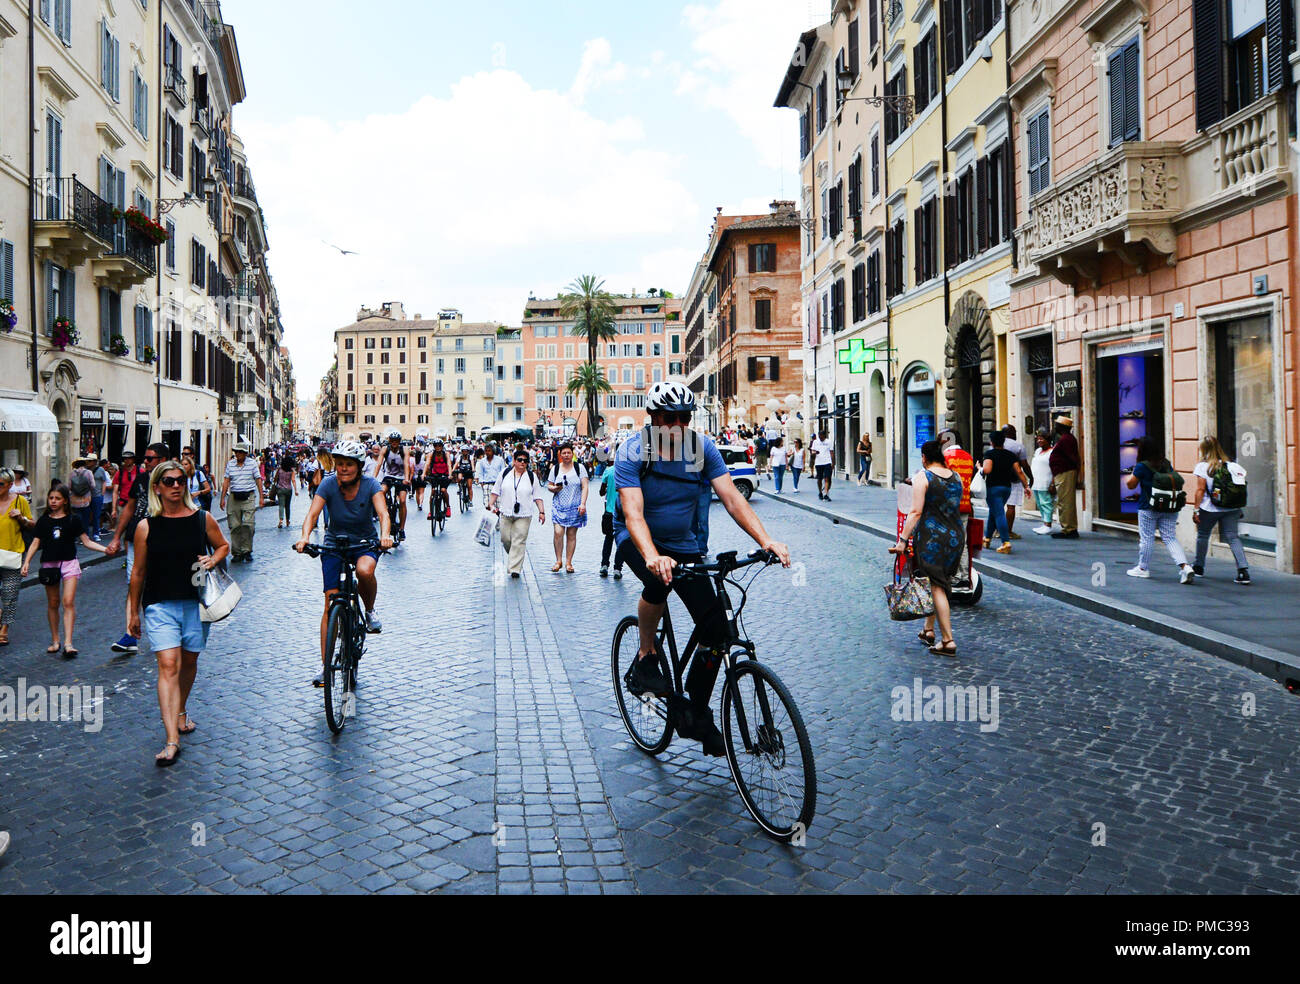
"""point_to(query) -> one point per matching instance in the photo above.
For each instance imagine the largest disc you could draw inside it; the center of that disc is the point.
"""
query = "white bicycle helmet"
(670, 396)
(349, 449)
(391, 433)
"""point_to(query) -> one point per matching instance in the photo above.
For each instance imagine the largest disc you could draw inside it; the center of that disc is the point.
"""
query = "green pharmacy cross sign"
(857, 356)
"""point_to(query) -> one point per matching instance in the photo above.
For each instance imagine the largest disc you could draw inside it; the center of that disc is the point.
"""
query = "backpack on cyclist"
(690, 450)
(1167, 494)
(1229, 490)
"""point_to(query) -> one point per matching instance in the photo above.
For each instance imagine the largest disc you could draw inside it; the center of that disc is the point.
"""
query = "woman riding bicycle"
(354, 503)
(437, 472)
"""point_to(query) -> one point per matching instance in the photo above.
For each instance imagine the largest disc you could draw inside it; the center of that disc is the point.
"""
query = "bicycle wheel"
(336, 669)
(768, 751)
(645, 717)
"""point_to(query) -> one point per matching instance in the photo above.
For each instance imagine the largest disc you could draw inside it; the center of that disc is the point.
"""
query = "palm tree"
(590, 382)
(592, 309)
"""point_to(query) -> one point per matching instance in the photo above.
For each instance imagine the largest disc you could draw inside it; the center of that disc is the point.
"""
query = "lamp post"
(207, 186)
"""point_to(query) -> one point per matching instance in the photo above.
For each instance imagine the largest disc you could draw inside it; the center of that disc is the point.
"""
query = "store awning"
(26, 417)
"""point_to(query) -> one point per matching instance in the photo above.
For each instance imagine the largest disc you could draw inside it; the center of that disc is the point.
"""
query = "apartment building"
(650, 334)
(119, 336)
(751, 272)
(699, 365)
(835, 81)
(415, 373)
(509, 396)
(1155, 285)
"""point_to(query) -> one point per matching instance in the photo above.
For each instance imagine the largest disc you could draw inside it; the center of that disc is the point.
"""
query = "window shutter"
(68, 292)
(1207, 32)
(919, 75)
(753, 368)
(1115, 83)
(873, 24)
(1280, 33)
(853, 48)
(978, 27)
(875, 165)
(104, 330)
(7, 266)
(1132, 104)
(981, 205)
(951, 35)
(1044, 149)
(49, 298)
(776, 369)
(45, 10)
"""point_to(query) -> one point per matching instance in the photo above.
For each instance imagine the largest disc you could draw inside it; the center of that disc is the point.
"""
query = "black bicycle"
(345, 632)
(437, 508)
(391, 489)
(766, 742)
(462, 487)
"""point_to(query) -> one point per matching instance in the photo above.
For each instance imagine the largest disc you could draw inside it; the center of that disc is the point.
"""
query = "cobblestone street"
(487, 754)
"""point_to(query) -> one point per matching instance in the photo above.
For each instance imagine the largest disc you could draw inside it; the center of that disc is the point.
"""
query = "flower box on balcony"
(64, 333)
(117, 346)
(8, 316)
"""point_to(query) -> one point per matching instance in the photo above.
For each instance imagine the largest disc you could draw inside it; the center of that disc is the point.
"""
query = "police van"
(742, 470)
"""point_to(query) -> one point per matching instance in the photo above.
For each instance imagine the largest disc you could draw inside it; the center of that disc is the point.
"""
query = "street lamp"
(905, 103)
(207, 186)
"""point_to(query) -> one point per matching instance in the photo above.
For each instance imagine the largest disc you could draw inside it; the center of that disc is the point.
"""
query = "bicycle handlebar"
(727, 562)
(350, 547)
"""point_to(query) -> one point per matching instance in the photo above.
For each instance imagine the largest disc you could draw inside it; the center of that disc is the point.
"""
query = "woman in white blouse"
(514, 498)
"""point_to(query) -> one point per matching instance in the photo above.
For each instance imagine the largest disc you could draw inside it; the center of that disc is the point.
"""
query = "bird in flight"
(345, 252)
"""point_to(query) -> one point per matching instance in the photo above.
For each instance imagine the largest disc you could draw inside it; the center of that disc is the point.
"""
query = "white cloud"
(597, 68)
(447, 201)
(742, 50)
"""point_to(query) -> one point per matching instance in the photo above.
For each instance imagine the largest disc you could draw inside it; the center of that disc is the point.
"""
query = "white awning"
(26, 417)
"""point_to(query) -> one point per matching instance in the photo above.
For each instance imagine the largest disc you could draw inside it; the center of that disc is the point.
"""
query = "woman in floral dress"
(935, 519)
(568, 485)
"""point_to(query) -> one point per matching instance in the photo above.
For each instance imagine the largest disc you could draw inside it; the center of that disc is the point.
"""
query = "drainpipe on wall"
(157, 345)
(943, 157)
(31, 191)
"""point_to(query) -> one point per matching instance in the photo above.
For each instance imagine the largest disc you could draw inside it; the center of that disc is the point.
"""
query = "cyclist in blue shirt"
(665, 476)
(354, 502)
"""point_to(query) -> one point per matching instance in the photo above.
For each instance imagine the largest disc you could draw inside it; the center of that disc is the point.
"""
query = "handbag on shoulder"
(219, 593)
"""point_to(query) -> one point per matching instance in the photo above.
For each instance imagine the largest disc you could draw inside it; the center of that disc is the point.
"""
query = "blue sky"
(471, 153)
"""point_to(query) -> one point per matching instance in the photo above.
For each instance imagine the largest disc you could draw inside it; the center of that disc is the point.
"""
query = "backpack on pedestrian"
(760, 444)
(80, 482)
(1167, 494)
(1229, 491)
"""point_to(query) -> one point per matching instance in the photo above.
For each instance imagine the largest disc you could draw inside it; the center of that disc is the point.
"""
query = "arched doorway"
(971, 371)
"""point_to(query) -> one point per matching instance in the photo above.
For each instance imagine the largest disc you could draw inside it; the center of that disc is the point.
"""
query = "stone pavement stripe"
(1267, 660)
(544, 763)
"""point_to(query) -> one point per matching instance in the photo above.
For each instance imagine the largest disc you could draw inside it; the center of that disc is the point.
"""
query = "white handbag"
(219, 593)
(10, 560)
(978, 490)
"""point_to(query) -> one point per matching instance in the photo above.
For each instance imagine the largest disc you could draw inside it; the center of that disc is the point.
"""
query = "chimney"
(778, 207)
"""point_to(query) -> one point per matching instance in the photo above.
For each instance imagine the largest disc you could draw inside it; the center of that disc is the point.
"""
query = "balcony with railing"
(205, 119)
(131, 261)
(72, 222)
(1125, 203)
(174, 86)
(1245, 157)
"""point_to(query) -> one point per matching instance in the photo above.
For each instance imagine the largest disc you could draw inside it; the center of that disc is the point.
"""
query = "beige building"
(414, 373)
(125, 329)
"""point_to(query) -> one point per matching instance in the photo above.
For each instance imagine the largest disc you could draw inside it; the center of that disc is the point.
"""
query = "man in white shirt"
(514, 497)
(824, 462)
(490, 467)
(370, 467)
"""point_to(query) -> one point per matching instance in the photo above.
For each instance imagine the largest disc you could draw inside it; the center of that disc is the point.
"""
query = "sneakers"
(1137, 572)
(1243, 576)
(127, 644)
(604, 570)
(373, 624)
(645, 676)
(318, 681)
(618, 573)
(794, 491)
(1186, 575)
(1042, 530)
(1198, 570)
(697, 722)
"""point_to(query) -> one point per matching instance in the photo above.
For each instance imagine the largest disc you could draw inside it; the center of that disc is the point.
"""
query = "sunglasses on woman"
(172, 480)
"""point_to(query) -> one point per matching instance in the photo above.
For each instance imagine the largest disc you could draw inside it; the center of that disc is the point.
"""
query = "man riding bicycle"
(354, 502)
(395, 472)
(665, 476)
(418, 457)
(490, 467)
(437, 471)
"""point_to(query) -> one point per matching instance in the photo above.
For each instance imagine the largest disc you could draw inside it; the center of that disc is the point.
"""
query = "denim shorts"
(331, 567)
(176, 624)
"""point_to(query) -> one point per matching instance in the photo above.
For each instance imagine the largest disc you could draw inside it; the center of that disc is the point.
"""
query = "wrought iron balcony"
(131, 261)
(1125, 203)
(174, 85)
(205, 119)
(72, 222)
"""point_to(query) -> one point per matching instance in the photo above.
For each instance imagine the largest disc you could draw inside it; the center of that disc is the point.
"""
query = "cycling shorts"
(331, 567)
(697, 593)
(396, 483)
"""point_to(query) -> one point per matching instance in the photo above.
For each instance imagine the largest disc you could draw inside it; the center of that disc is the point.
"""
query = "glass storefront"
(1246, 419)
(1130, 405)
(1039, 367)
(92, 431)
(117, 429)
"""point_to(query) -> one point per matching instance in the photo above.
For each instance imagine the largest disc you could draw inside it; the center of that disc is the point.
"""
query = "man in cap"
(122, 482)
(1067, 467)
(241, 483)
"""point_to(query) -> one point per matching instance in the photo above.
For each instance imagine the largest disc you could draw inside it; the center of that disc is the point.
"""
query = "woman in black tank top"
(172, 545)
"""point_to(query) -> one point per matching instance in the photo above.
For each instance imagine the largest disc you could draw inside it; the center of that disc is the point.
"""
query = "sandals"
(569, 569)
(162, 762)
(926, 636)
(556, 568)
(943, 650)
(184, 715)
(53, 649)
(71, 653)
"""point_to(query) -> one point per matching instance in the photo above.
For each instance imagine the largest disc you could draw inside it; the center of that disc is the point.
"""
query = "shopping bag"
(978, 489)
(909, 599)
(485, 527)
(974, 536)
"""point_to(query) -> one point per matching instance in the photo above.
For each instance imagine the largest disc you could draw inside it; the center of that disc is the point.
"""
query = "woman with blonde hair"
(176, 541)
(15, 516)
(1211, 509)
